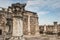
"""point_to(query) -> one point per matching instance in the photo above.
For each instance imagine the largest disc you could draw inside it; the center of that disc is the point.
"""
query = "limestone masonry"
(15, 22)
(50, 29)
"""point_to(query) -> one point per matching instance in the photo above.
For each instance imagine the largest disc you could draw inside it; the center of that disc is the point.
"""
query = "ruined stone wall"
(49, 29)
(52, 29)
(16, 21)
(58, 28)
(25, 25)
(2, 22)
(30, 19)
(30, 22)
(33, 21)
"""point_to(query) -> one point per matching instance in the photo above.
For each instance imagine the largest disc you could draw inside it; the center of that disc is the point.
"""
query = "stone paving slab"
(49, 37)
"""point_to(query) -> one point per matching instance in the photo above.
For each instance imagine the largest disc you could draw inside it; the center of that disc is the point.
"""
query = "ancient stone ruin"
(15, 22)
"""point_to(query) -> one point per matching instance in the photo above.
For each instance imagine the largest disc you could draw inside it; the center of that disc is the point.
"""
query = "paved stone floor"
(43, 37)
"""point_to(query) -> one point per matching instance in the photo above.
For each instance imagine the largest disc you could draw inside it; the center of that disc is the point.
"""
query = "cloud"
(39, 4)
(42, 12)
(56, 5)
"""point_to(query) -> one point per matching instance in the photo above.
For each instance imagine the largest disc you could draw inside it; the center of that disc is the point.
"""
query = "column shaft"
(29, 25)
(44, 29)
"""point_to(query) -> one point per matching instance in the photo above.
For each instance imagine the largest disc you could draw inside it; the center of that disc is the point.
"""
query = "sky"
(48, 10)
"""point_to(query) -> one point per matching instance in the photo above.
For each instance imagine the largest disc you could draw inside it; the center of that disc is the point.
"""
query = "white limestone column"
(44, 29)
(29, 25)
(55, 27)
(17, 29)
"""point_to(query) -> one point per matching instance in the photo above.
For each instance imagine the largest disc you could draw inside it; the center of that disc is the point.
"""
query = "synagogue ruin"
(15, 22)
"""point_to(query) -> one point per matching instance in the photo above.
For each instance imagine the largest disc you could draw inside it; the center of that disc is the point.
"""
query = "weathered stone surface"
(31, 23)
(25, 25)
(17, 27)
(16, 22)
(51, 29)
